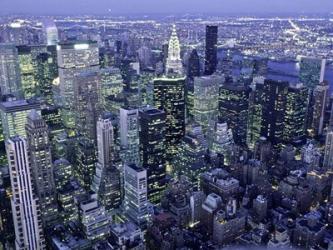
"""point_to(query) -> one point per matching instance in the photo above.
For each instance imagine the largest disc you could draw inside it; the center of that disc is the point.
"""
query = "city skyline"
(159, 7)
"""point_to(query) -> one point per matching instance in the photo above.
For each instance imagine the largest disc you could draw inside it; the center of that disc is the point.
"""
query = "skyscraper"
(193, 66)
(10, 80)
(41, 165)
(87, 106)
(320, 101)
(46, 72)
(135, 200)
(169, 96)
(27, 56)
(328, 154)
(211, 49)
(14, 116)
(52, 37)
(153, 150)
(206, 100)
(129, 135)
(234, 104)
(274, 104)
(74, 58)
(28, 227)
(295, 114)
(312, 71)
(106, 182)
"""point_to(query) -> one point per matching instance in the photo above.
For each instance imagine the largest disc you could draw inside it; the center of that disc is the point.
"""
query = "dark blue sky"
(164, 6)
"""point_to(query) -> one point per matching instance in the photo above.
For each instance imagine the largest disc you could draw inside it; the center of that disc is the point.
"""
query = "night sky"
(163, 6)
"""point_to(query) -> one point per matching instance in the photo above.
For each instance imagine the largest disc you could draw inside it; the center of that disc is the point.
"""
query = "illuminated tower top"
(174, 63)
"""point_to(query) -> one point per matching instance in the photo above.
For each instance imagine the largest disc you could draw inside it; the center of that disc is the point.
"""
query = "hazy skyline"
(163, 6)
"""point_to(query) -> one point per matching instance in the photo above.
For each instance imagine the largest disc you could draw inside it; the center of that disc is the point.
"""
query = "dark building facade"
(152, 150)
(211, 49)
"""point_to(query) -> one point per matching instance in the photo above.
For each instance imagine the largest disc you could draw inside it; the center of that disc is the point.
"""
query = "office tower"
(7, 232)
(153, 150)
(105, 140)
(222, 142)
(173, 62)
(206, 100)
(46, 72)
(41, 166)
(189, 99)
(225, 64)
(135, 200)
(109, 193)
(63, 173)
(111, 84)
(320, 101)
(190, 159)
(295, 114)
(74, 58)
(67, 199)
(52, 37)
(255, 113)
(281, 109)
(211, 49)
(328, 153)
(14, 116)
(193, 66)
(274, 105)
(85, 162)
(196, 200)
(94, 220)
(28, 227)
(312, 71)
(129, 135)
(10, 78)
(169, 96)
(86, 101)
(234, 105)
(27, 56)
(145, 57)
(106, 182)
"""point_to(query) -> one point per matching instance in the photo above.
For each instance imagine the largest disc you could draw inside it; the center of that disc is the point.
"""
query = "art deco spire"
(174, 63)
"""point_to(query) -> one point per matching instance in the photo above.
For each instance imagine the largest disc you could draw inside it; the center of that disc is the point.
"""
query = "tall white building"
(106, 182)
(105, 149)
(28, 227)
(135, 201)
(174, 61)
(129, 135)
